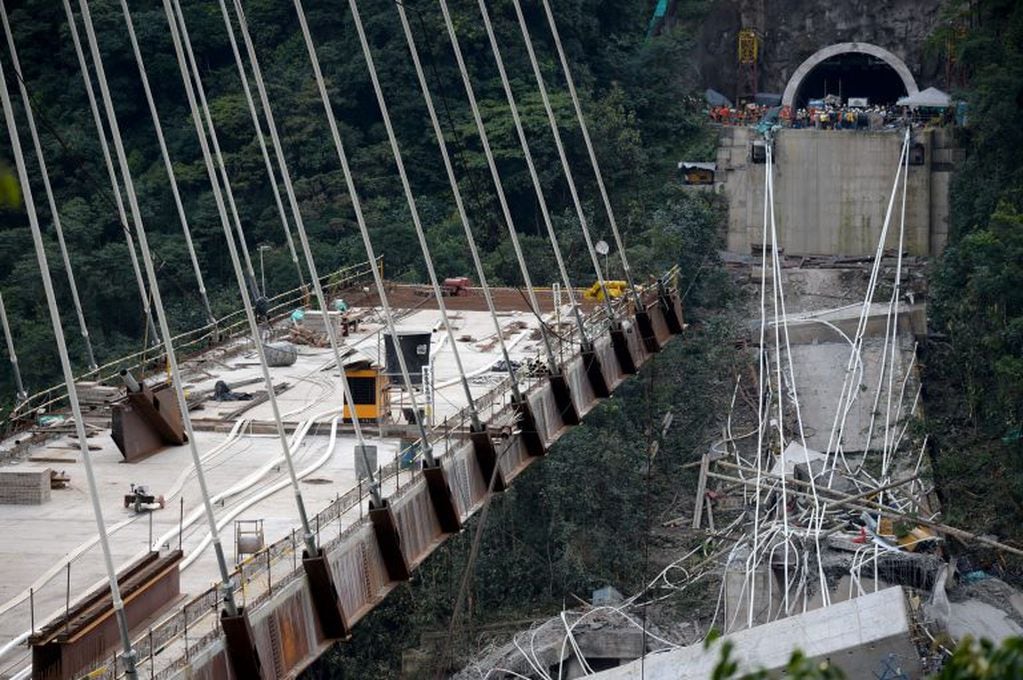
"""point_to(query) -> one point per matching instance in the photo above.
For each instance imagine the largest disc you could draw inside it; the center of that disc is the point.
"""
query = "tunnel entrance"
(858, 70)
(852, 75)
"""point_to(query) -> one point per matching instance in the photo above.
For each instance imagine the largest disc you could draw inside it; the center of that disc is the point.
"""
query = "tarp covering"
(932, 97)
(686, 165)
(767, 98)
(794, 455)
(715, 98)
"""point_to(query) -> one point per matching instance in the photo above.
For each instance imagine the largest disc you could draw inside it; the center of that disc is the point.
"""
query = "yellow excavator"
(615, 289)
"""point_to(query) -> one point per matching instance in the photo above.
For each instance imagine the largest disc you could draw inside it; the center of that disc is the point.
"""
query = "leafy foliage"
(635, 102)
(975, 374)
(971, 660)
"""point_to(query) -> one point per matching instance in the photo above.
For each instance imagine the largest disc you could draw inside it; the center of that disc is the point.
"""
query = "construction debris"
(222, 392)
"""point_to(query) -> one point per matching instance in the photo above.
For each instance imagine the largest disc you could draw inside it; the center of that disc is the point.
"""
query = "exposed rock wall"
(792, 30)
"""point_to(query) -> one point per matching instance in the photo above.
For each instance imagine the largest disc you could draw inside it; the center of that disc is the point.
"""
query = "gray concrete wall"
(832, 189)
(862, 636)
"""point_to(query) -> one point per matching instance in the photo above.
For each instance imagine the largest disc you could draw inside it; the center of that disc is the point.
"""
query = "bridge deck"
(243, 465)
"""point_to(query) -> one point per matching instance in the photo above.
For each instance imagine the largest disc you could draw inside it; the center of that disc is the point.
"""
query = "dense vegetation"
(567, 526)
(570, 525)
(639, 116)
(975, 367)
(540, 544)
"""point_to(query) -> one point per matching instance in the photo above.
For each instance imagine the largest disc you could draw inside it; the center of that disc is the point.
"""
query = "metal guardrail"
(186, 345)
(196, 624)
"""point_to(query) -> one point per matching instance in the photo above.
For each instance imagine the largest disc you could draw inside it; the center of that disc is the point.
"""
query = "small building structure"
(368, 384)
(697, 173)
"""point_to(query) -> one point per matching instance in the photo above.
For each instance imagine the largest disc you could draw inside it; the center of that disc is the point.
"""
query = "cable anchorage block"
(326, 603)
(240, 645)
(563, 399)
(486, 457)
(531, 437)
(385, 527)
(621, 348)
(441, 498)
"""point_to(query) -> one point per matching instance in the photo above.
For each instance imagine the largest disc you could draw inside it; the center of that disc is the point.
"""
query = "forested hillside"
(637, 107)
(974, 366)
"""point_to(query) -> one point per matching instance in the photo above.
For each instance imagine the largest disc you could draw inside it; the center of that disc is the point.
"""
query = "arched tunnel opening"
(852, 75)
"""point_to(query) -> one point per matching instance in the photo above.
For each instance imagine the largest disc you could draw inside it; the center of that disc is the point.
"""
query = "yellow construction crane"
(749, 47)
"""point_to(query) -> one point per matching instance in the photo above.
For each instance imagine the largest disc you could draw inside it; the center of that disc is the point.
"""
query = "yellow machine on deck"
(615, 289)
(368, 384)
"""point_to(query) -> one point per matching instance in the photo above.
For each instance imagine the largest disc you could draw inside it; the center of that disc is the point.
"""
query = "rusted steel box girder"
(441, 499)
(145, 422)
(240, 644)
(389, 541)
(563, 399)
(486, 458)
(326, 603)
(89, 632)
(531, 436)
(620, 343)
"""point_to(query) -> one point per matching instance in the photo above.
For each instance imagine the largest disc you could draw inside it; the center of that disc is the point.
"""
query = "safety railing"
(186, 345)
(166, 648)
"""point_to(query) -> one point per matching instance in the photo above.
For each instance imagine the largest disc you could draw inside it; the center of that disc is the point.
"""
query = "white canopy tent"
(932, 97)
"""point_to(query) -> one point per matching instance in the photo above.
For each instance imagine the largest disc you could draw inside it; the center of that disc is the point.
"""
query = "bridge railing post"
(184, 613)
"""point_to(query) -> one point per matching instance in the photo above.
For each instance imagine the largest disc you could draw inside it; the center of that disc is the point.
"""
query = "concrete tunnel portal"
(850, 70)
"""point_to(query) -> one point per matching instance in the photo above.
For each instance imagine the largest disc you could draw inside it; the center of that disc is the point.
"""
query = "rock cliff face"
(792, 30)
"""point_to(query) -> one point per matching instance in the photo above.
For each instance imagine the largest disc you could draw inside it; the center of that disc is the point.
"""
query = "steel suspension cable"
(227, 591)
(781, 394)
(498, 184)
(122, 214)
(21, 394)
(818, 512)
(538, 187)
(69, 379)
(593, 154)
(762, 396)
(457, 192)
(167, 164)
(889, 442)
(45, 175)
(302, 235)
(250, 315)
(262, 146)
(293, 201)
(216, 150)
(848, 391)
(360, 218)
(414, 210)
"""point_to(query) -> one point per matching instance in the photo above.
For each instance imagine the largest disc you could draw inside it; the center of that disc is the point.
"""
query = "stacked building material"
(25, 486)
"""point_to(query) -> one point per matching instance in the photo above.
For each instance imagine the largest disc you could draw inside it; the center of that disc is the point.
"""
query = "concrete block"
(25, 486)
(863, 637)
